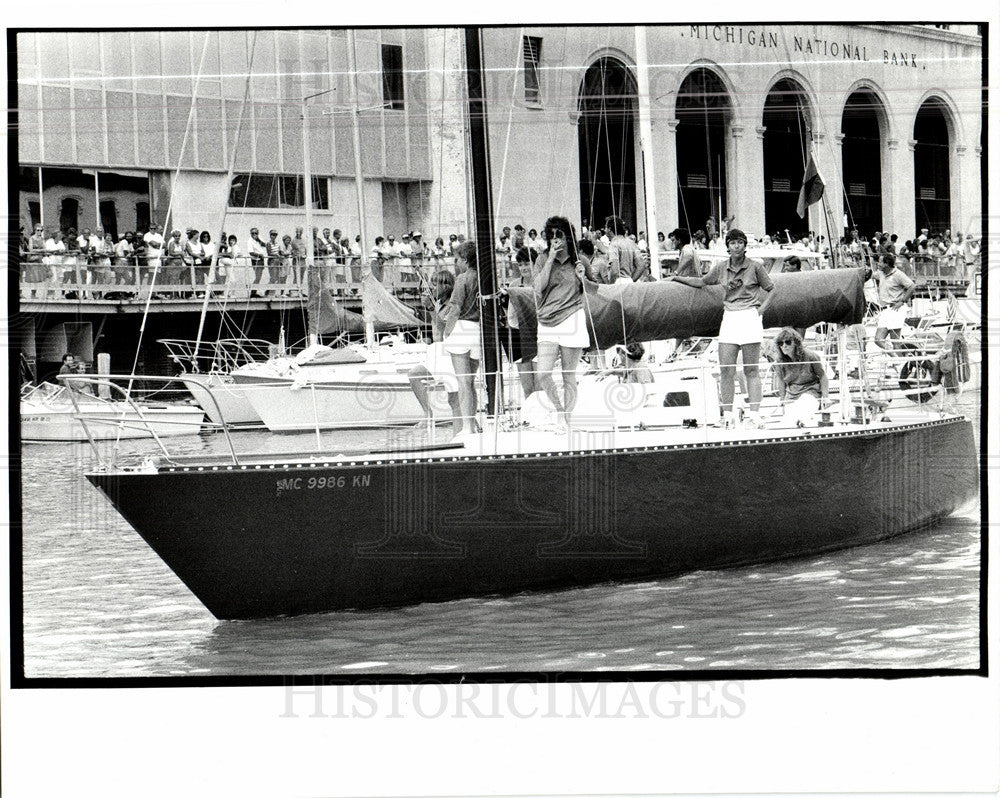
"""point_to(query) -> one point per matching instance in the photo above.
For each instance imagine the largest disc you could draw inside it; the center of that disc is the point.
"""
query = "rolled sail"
(659, 310)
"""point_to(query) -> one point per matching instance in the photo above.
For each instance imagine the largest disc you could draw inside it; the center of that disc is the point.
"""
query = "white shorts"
(571, 332)
(439, 364)
(891, 319)
(465, 338)
(741, 327)
(803, 409)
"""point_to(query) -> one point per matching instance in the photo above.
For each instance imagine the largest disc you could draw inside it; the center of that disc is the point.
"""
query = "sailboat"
(513, 509)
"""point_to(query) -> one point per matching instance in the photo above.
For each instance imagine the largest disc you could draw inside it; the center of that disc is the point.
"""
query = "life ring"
(920, 378)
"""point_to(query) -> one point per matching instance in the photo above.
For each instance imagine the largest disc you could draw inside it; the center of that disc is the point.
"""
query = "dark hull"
(258, 541)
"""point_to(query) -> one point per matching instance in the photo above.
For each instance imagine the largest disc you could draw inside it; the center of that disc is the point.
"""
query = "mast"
(310, 241)
(359, 182)
(483, 207)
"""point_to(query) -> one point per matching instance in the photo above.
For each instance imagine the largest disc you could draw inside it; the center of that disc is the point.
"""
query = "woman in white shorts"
(802, 382)
(437, 370)
(562, 323)
(748, 291)
(463, 339)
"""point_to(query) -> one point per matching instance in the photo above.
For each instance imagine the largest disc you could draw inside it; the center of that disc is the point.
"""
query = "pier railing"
(69, 278)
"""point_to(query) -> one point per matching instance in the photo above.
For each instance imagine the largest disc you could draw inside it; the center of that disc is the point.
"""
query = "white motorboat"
(326, 388)
(54, 413)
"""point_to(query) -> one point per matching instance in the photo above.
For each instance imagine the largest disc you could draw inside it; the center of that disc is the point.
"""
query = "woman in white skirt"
(463, 338)
(562, 323)
(748, 291)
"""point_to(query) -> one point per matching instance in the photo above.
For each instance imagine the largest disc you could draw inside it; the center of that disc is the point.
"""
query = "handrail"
(108, 380)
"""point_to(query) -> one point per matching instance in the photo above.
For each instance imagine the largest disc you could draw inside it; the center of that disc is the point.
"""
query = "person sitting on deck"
(628, 364)
(801, 379)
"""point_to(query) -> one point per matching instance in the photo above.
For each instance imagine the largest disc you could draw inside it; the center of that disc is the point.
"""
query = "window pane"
(392, 76)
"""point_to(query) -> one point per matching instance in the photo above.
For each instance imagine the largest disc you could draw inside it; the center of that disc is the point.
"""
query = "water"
(98, 602)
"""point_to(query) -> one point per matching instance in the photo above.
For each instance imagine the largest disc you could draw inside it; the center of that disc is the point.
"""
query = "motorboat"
(66, 413)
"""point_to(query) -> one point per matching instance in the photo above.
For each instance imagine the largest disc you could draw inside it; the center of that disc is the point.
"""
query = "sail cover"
(382, 308)
(325, 314)
(659, 310)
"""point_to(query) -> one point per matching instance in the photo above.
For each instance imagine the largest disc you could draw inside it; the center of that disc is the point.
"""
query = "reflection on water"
(99, 602)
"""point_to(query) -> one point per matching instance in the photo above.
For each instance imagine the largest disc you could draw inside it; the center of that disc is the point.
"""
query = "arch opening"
(785, 149)
(861, 162)
(607, 142)
(703, 112)
(931, 168)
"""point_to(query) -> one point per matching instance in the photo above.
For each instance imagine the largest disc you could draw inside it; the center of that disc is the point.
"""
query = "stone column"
(898, 198)
(974, 206)
(828, 161)
(665, 165)
(959, 209)
(446, 208)
(746, 180)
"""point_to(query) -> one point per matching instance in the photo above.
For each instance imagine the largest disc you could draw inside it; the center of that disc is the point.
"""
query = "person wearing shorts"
(894, 290)
(803, 386)
(437, 370)
(463, 339)
(562, 323)
(748, 290)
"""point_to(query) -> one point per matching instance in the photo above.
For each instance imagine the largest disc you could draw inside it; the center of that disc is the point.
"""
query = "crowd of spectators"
(191, 262)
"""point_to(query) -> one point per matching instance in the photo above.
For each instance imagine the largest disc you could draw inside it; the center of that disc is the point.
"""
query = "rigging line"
(444, 72)
(170, 203)
(229, 182)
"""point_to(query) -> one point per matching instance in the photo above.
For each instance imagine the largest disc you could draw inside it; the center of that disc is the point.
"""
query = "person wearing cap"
(747, 291)
(257, 252)
(154, 242)
(272, 250)
(418, 249)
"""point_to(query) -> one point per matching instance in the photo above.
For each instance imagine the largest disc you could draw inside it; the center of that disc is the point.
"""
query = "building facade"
(667, 129)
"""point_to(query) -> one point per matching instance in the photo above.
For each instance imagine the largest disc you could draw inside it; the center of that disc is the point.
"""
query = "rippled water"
(99, 602)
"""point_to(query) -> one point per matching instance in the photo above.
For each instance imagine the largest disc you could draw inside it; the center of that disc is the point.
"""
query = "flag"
(812, 188)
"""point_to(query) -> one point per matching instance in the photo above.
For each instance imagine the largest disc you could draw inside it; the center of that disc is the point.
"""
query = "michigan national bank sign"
(764, 38)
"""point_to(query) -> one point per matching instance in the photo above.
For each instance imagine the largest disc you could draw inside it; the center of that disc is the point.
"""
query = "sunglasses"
(550, 234)
(786, 343)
